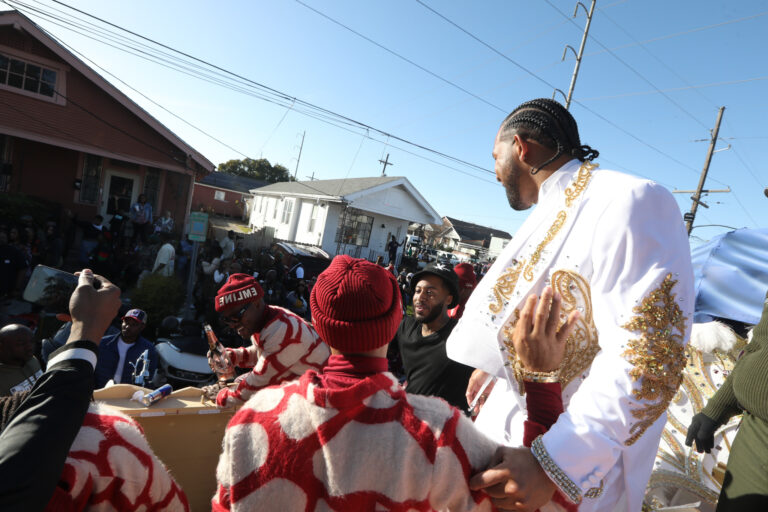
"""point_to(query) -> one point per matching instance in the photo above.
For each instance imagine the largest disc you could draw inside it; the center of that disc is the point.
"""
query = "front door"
(120, 192)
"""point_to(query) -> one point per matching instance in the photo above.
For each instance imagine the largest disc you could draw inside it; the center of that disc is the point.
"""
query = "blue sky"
(699, 54)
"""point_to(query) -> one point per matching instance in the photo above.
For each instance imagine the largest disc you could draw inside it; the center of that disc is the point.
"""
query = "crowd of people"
(541, 386)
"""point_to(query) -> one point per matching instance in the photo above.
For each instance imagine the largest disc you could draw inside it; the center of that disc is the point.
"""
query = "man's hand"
(515, 481)
(702, 429)
(539, 344)
(476, 382)
(210, 392)
(92, 310)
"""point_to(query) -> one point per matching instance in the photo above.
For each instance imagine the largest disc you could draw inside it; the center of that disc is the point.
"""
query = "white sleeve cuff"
(75, 353)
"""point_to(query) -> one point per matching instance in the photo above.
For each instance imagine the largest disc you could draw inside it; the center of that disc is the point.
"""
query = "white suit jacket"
(615, 248)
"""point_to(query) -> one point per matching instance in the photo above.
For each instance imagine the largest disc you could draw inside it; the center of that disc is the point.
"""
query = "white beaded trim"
(565, 484)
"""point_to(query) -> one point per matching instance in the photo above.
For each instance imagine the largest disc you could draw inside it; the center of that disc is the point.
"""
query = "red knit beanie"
(238, 291)
(467, 277)
(356, 305)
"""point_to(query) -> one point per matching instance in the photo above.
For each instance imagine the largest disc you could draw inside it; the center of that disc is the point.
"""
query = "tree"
(259, 169)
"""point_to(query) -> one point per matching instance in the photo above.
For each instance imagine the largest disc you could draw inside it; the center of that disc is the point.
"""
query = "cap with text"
(238, 291)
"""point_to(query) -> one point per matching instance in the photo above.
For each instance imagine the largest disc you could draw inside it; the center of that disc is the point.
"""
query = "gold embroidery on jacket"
(551, 233)
(505, 286)
(582, 345)
(572, 192)
(582, 179)
(657, 357)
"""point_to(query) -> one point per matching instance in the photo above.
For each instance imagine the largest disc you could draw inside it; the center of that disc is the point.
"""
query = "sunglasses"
(235, 317)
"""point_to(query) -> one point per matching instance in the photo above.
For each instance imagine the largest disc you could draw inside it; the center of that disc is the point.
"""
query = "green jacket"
(746, 388)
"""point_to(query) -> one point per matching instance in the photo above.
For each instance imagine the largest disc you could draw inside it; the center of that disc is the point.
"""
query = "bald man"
(19, 369)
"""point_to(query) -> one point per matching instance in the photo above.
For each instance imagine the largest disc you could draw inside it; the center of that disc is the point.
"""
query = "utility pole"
(690, 217)
(312, 178)
(386, 162)
(579, 54)
(296, 172)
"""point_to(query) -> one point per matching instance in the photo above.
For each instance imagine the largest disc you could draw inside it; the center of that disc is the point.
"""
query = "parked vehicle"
(313, 259)
(182, 360)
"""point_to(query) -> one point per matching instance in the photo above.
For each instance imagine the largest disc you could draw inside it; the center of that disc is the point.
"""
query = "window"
(27, 76)
(219, 195)
(354, 228)
(313, 218)
(89, 188)
(287, 210)
(152, 187)
(261, 204)
(274, 211)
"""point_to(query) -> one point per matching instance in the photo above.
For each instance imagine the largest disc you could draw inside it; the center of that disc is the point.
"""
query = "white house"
(496, 245)
(355, 216)
(470, 240)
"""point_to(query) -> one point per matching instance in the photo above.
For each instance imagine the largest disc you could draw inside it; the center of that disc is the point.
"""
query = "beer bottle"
(219, 360)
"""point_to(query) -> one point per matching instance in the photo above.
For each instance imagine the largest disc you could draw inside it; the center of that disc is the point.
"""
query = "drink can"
(157, 394)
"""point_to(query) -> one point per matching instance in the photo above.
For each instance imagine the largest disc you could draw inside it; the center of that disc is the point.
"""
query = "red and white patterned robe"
(285, 348)
(349, 439)
(111, 467)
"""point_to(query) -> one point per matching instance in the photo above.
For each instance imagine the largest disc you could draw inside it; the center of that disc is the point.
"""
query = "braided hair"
(547, 122)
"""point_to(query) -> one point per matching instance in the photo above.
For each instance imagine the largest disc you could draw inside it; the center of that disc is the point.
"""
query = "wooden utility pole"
(386, 162)
(690, 217)
(296, 172)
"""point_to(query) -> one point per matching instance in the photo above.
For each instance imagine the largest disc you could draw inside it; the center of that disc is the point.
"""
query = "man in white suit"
(611, 251)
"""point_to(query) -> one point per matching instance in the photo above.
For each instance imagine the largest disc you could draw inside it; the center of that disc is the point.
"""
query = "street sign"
(198, 226)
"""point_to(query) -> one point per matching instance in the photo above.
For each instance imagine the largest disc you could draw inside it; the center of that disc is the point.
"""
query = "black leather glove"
(702, 429)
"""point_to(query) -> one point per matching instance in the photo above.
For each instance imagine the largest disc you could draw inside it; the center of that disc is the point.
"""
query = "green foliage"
(13, 206)
(160, 297)
(259, 169)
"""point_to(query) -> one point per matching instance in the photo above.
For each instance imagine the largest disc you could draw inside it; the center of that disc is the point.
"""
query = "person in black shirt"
(392, 249)
(421, 338)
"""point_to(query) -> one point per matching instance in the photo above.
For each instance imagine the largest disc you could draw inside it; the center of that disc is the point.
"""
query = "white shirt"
(620, 240)
(166, 255)
(298, 269)
(122, 350)
(227, 247)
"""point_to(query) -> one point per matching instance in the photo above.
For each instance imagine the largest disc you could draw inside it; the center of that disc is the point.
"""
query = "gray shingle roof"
(333, 188)
(231, 182)
(469, 231)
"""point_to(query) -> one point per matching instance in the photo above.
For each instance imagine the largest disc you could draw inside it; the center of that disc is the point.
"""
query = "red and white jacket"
(285, 348)
(111, 467)
(350, 439)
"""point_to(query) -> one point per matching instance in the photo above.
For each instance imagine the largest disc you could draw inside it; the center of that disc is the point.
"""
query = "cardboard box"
(184, 433)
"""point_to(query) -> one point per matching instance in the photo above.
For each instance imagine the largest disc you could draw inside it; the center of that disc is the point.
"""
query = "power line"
(315, 111)
(366, 135)
(747, 167)
(285, 114)
(677, 89)
(676, 74)
(494, 50)
(593, 112)
(305, 108)
(677, 34)
(399, 56)
(754, 222)
(94, 64)
(632, 69)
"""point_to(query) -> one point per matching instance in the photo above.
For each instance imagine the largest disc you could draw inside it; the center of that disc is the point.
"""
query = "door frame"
(108, 181)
